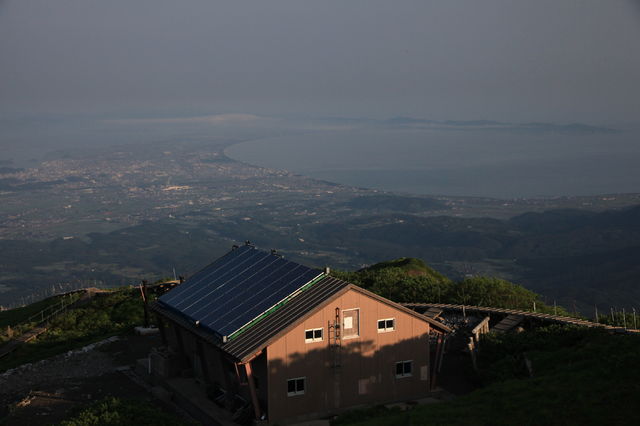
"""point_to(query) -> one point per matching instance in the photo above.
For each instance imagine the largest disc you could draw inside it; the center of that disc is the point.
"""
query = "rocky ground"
(50, 390)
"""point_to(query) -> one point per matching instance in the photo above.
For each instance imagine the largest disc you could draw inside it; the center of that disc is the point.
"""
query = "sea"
(497, 164)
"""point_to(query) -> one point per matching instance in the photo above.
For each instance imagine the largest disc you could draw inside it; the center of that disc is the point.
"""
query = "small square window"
(385, 325)
(296, 386)
(403, 369)
(313, 335)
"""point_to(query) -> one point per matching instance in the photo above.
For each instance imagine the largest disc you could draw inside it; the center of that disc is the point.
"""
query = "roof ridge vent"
(274, 252)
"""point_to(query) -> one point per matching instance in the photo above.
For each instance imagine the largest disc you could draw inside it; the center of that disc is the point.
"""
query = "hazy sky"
(551, 60)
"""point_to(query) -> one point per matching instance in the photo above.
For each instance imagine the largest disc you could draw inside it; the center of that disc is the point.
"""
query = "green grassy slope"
(119, 412)
(580, 377)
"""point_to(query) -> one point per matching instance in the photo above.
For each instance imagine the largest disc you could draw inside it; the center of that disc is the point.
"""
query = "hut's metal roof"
(237, 289)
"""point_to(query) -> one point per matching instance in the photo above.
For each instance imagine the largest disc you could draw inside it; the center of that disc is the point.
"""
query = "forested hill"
(577, 257)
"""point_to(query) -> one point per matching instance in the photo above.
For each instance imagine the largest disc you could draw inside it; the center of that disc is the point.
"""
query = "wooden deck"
(484, 310)
(508, 323)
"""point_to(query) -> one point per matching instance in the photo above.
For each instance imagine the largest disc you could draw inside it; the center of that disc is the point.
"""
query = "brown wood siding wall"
(367, 371)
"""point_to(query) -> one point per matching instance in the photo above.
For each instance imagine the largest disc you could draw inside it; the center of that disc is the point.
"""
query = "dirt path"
(47, 391)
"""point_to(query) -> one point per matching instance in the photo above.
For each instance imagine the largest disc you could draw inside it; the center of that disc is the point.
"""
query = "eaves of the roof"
(441, 327)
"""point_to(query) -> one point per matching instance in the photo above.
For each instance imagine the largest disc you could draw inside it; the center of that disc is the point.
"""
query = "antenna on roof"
(248, 243)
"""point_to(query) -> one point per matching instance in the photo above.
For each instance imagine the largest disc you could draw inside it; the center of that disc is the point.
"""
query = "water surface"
(463, 163)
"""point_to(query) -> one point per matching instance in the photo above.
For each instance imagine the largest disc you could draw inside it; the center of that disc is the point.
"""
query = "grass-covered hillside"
(121, 412)
(578, 376)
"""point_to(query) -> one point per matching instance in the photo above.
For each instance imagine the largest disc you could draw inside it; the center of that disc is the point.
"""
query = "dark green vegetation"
(105, 315)
(118, 412)
(579, 377)
(411, 280)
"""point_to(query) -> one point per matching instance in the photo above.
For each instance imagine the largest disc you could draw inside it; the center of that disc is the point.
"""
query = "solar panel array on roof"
(237, 288)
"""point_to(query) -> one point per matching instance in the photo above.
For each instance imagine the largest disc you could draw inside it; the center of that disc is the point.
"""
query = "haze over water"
(460, 163)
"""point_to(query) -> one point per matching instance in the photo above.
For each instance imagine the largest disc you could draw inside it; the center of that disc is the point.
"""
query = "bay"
(487, 163)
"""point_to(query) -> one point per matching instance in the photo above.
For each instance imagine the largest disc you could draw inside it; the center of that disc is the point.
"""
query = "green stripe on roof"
(274, 308)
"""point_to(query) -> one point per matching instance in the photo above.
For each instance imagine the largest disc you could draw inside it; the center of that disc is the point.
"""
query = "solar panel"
(237, 288)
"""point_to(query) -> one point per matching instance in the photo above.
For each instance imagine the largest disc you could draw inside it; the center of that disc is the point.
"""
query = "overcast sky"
(549, 60)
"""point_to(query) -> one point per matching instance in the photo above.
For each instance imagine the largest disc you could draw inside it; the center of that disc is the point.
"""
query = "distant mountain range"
(475, 125)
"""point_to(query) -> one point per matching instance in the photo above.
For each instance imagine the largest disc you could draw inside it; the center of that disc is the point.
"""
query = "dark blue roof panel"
(237, 288)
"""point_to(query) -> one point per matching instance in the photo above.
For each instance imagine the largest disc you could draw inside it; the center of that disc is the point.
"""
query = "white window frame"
(297, 392)
(386, 329)
(400, 376)
(342, 324)
(314, 339)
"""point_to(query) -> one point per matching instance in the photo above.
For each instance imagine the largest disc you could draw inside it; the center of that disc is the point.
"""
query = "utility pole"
(634, 319)
(624, 318)
(596, 308)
